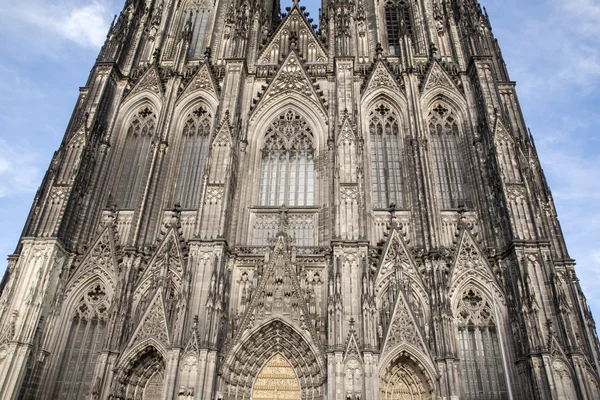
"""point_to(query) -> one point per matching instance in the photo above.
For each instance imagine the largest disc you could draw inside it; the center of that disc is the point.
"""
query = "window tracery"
(194, 154)
(288, 163)
(480, 353)
(197, 18)
(444, 136)
(84, 342)
(135, 157)
(386, 157)
(398, 22)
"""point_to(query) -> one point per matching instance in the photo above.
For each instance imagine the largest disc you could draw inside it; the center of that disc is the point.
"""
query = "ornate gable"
(291, 79)
(403, 328)
(438, 78)
(469, 263)
(501, 133)
(166, 264)
(223, 137)
(380, 78)
(347, 131)
(279, 295)
(149, 82)
(395, 257)
(352, 348)
(311, 48)
(202, 80)
(153, 324)
(100, 259)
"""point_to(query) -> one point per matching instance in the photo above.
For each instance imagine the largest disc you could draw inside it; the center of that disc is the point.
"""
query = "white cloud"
(45, 26)
(18, 171)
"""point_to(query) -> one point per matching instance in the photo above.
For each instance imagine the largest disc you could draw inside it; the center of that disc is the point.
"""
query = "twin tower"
(245, 207)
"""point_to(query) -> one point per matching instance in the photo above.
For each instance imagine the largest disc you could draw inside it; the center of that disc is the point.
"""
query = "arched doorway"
(276, 381)
(143, 379)
(404, 380)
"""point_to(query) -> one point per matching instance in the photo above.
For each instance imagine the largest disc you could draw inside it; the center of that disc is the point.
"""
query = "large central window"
(288, 163)
(386, 157)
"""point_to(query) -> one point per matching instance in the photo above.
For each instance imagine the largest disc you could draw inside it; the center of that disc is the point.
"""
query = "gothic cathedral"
(250, 206)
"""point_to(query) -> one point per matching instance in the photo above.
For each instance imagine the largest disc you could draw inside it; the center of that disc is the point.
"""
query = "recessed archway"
(276, 381)
(403, 379)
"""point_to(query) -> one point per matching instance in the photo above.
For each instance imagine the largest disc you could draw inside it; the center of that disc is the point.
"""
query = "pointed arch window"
(448, 160)
(83, 345)
(398, 22)
(134, 162)
(195, 146)
(288, 163)
(197, 18)
(386, 157)
(479, 344)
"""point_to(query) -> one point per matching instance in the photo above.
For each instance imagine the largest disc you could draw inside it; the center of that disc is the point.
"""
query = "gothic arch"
(82, 326)
(311, 112)
(137, 368)
(407, 372)
(450, 98)
(251, 353)
(395, 98)
(276, 373)
(563, 375)
(190, 101)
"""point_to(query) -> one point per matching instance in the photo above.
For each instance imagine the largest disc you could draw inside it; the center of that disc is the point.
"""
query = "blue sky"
(551, 47)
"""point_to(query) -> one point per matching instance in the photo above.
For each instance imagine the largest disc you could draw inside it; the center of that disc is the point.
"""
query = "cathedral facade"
(246, 206)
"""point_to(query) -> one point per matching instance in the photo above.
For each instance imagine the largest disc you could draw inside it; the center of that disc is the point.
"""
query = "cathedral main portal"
(276, 381)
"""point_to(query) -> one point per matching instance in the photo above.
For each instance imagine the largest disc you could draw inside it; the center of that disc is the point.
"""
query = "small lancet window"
(197, 18)
(386, 157)
(398, 22)
(136, 152)
(480, 352)
(195, 146)
(448, 160)
(288, 163)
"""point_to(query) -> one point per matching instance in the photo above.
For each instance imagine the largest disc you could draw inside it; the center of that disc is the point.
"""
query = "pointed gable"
(149, 82)
(167, 261)
(470, 263)
(438, 78)
(279, 295)
(101, 258)
(347, 132)
(380, 78)
(501, 133)
(310, 47)
(202, 81)
(403, 328)
(153, 324)
(223, 136)
(291, 79)
(352, 348)
(395, 253)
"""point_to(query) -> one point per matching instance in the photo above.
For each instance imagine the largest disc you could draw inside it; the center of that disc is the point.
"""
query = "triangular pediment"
(278, 295)
(202, 81)
(470, 263)
(294, 23)
(153, 324)
(437, 77)
(352, 348)
(291, 79)
(149, 82)
(101, 258)
(403, 328)
(501, 133)
(223, 137)
(166, 263)
(396, 257)
(347, 131)
(380, 78)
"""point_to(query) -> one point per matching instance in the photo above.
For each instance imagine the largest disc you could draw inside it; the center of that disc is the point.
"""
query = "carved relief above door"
(276, 381)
